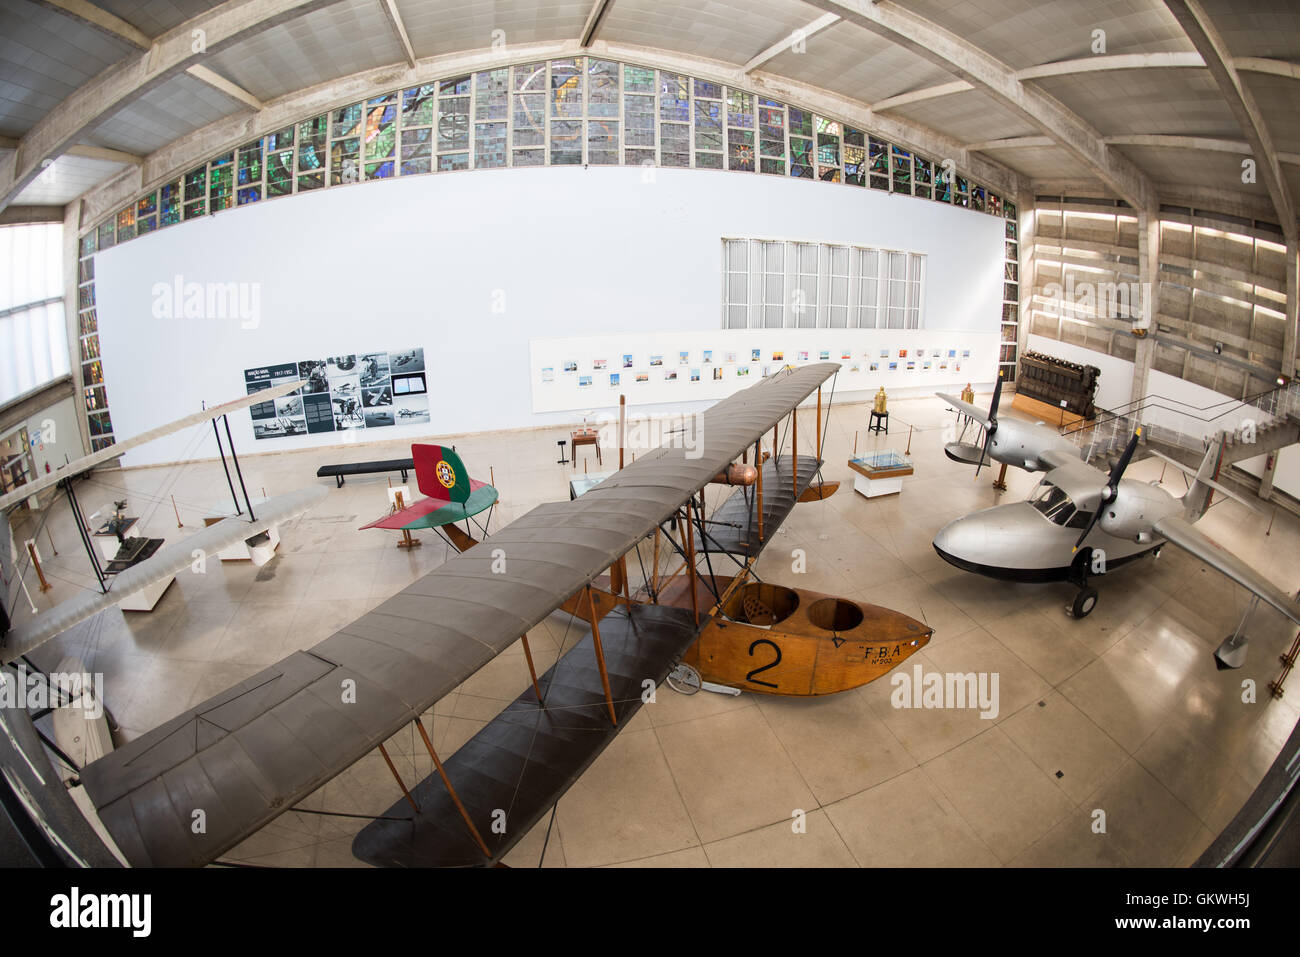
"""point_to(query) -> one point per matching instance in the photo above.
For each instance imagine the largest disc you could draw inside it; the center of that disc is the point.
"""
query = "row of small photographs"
(730, 358)
(671, 375)
(755, 355)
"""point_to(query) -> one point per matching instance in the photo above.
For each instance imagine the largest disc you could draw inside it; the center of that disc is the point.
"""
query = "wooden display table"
(1051, 414)
(880, 473)
(585, 437)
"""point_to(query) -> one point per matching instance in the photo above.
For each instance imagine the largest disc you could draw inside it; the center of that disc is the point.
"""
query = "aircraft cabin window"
(1080, 519)
(1054, 503)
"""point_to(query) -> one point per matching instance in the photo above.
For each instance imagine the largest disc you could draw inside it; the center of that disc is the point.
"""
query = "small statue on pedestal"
(968, 395)
(880, 403)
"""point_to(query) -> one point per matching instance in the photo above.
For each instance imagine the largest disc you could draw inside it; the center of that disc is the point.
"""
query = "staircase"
(1256, 425)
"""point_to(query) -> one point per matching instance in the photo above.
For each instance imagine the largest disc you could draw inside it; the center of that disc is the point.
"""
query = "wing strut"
(600, 660)
(446, 782)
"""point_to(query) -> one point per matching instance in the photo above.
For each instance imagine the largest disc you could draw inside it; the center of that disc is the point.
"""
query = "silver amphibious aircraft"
(1078, 521)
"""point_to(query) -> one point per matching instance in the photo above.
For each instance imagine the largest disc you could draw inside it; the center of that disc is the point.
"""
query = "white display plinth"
(146, 598)
(240, 552)
(874, 487)
(879, 473)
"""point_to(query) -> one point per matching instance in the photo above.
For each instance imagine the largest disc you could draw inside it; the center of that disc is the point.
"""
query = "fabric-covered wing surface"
(252, 752)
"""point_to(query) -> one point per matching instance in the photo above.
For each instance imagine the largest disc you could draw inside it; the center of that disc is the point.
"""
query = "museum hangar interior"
(1007, 388)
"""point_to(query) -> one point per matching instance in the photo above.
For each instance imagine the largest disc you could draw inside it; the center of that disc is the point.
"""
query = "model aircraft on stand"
(451, 497)
(255, 750)
(1080, 521)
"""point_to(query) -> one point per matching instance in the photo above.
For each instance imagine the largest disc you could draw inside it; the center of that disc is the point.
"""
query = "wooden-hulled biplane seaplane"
(252, 752)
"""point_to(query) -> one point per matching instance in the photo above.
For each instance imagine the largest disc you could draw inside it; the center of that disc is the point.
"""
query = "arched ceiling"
(1181, 92)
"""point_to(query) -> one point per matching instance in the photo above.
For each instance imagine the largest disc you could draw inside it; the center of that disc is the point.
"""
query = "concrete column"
(1149, 277)
(1292, 310)
(71, 252)
(1025, 233)
(1266, 479)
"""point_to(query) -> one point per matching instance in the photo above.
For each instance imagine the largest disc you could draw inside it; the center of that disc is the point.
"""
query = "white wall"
(1286, 477)
(420, 261)
(57, 437)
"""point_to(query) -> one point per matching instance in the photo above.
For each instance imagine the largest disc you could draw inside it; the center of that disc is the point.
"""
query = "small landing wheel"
(684, 679)
(1084, 603)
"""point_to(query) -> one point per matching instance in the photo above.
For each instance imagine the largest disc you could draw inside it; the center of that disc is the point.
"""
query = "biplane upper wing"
(111, 452)
(253, 751)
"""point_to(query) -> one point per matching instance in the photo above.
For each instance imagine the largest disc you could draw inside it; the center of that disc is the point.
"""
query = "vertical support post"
(235, 458)
(627, 585)
(82, 530)
(1149, 279)
(794, 449)
(1000, 483)
(478, 838)
(758, 457)
(1288, 364)
(690, 564)
(600, 656)
(531, 670)
(622, 426)
(36, 563)
(222, 452)
(400, 783)
(654, 570)
(407, 541)
(818, 445)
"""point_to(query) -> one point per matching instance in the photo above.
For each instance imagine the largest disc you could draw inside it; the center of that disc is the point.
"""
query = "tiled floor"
(1122, 713)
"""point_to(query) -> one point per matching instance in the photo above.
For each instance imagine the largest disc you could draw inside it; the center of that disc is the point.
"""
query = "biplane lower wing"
(734, 527)
(252, 752)
(434, 513)
(167, 561)
(530, 754)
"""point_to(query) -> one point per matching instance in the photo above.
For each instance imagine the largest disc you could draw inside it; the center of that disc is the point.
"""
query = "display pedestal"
(146, 598)
(261, 552)
(880, 473)
(107, 540)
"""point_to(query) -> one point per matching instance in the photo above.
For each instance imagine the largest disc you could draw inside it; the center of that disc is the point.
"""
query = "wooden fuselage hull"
(791, 641)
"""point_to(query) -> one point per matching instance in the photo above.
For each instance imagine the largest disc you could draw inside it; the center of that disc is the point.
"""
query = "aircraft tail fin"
(440, 473)
(1197, 499)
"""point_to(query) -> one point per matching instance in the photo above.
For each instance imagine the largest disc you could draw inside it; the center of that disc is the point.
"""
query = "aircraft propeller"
(1111, 487)
(992, 427)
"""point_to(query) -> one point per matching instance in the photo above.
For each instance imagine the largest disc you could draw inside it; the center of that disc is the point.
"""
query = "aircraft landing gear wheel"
(1084, 603)
(684, 679)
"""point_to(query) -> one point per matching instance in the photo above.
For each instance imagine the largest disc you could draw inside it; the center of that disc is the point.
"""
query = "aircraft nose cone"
(946, 540)
(954, 545)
